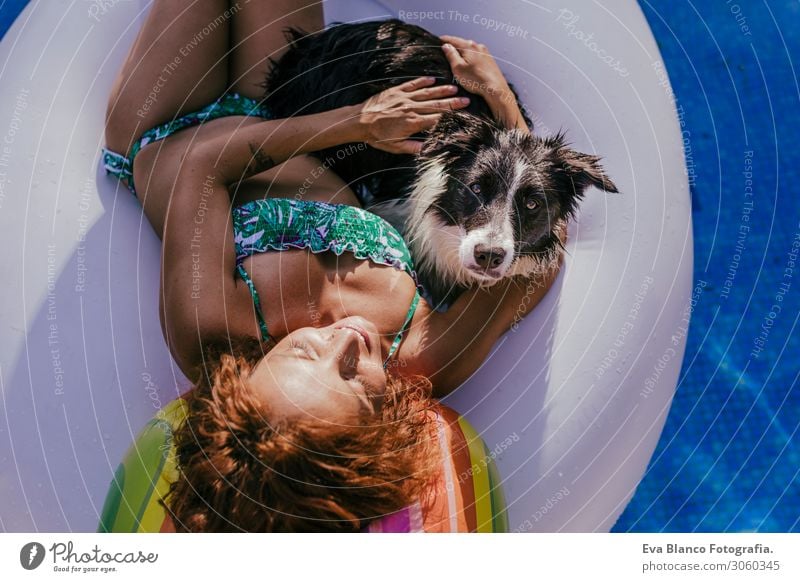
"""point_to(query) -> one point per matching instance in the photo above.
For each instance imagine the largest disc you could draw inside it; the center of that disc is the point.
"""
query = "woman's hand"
(475, 69)
(391, 117)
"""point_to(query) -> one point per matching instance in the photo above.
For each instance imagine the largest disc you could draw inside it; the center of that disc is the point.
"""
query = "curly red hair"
(239, 472)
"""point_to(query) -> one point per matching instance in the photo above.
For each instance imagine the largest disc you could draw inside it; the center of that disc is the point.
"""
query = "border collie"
(480, 202)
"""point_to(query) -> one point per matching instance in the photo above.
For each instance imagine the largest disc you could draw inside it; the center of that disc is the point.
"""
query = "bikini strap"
(399, 337)
(121, 167)
(262, 324)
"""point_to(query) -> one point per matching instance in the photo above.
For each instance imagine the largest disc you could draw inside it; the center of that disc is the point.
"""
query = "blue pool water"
(9, 9)
(728, 459)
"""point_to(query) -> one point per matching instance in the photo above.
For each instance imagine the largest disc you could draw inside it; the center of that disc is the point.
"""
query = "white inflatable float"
(572, 403)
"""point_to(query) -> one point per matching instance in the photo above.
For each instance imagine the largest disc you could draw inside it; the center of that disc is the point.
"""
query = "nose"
(488, 257)
(346, 348)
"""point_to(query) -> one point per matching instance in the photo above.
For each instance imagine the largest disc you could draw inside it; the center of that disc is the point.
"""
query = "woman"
(308, 410)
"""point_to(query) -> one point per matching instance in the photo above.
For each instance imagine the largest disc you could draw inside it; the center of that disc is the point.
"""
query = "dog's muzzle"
(486, 263)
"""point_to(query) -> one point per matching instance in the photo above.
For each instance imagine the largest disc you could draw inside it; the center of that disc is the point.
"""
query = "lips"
(361, 332)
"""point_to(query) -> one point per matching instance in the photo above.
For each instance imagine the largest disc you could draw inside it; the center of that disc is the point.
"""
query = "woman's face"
(332, 373)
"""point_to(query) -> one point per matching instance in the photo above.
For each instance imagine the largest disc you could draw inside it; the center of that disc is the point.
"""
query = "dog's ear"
(583, 169)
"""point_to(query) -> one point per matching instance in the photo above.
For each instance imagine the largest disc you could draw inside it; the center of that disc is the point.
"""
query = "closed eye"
(301, 347)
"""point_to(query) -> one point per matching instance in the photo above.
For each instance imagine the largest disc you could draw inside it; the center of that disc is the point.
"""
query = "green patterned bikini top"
(278, 224)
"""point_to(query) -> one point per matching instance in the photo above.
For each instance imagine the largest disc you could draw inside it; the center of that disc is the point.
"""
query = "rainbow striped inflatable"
(465, 497)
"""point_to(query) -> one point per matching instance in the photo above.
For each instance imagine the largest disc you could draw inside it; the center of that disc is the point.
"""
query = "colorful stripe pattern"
(466, 496)
(142, 479)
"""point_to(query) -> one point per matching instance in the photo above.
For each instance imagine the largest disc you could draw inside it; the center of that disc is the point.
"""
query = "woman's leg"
(177, 64)
(257, 35)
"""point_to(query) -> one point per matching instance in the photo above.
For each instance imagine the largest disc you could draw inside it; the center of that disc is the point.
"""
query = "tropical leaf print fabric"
(281, 223)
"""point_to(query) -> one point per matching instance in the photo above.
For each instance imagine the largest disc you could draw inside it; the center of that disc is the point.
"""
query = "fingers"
(425, 122)
(429, 93)
(453, 56)
(463, 44)
(399, 146)
(417, 83)
(441, 105)
(428, 99)
(419, 124)
(408, 146)
(457, 41)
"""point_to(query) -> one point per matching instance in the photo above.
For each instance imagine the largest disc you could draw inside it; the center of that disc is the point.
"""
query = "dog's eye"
(532, 204)
(475, 187)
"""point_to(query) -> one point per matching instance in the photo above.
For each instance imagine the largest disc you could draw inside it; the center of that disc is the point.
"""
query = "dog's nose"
(488, 257)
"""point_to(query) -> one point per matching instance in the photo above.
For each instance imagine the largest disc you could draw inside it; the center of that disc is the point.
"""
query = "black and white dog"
(481, 202)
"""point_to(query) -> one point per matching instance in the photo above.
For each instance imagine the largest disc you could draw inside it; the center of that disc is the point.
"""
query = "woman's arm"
(385, 121)
(202, 302)
(258, 147)
(449, 347)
